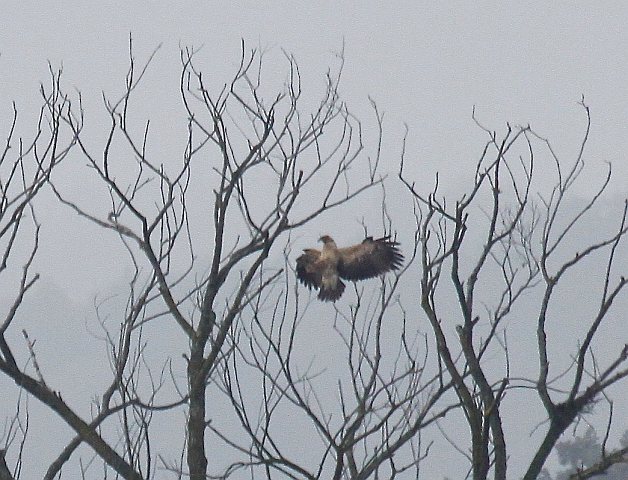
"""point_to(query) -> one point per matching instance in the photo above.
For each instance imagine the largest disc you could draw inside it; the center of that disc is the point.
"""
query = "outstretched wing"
(306, 271)
(369, 258)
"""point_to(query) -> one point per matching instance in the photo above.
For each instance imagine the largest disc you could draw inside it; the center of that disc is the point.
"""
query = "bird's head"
(326, 239)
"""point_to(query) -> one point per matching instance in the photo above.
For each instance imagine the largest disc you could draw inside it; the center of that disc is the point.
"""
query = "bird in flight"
(324, 269)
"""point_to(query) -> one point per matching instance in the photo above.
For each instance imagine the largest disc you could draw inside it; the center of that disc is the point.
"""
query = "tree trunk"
(197, 460)
(5, 473)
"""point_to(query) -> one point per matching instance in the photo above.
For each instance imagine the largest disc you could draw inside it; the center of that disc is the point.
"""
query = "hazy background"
(425, 65)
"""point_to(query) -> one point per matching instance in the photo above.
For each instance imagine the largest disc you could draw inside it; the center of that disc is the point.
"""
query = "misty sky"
(424, 64)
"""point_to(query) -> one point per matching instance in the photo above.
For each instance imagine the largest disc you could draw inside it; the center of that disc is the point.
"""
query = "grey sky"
(425, 64)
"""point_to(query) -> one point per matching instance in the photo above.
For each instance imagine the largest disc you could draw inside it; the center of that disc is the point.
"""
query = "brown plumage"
(324, 269)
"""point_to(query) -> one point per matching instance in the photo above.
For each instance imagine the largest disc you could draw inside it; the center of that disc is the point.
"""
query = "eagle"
(324, 269)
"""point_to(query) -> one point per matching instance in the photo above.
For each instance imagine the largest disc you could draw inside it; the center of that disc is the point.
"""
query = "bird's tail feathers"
(331, 294)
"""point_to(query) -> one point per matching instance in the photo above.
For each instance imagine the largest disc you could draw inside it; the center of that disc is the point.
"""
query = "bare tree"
(513, 226)
(384, 395)
(209, 239)
(239, 138)
(25, 167)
